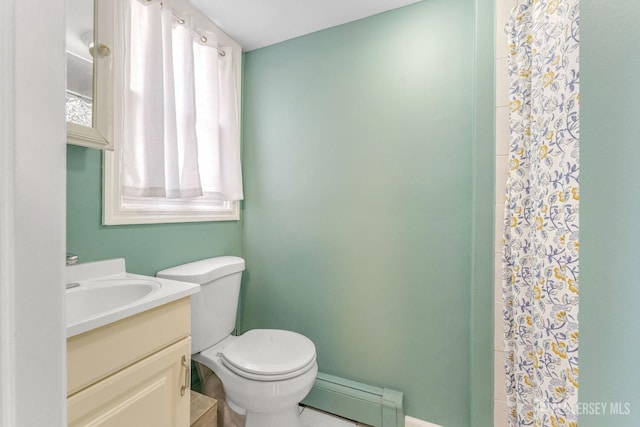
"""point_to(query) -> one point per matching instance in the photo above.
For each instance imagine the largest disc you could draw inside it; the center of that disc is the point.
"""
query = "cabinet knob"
(103, 50)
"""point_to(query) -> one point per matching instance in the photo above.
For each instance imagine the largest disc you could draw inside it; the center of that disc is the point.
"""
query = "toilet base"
(289, 417)
(263, 403)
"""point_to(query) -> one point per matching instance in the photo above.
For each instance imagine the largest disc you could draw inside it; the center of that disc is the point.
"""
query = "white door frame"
(32, 213)
(7, 142)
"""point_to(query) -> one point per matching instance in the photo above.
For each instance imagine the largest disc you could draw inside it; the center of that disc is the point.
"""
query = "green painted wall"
(482, 287)
(358, 161)
(368, 158)
(610, 202)
(147, 248)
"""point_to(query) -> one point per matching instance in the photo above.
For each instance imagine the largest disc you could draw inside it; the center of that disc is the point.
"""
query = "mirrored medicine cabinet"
(90, 37)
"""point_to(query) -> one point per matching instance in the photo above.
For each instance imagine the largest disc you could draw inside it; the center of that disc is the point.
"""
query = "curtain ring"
(180, 21)
(203, 39)
(222, 53)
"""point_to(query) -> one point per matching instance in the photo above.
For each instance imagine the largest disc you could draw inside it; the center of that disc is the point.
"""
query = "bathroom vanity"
(135, 370)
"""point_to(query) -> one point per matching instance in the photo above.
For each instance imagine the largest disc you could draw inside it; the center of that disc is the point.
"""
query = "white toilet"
(265, 372)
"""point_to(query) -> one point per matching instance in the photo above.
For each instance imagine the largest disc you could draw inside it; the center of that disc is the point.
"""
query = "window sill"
(114, 214)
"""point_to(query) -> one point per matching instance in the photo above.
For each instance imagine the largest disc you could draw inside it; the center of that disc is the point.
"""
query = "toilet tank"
(214, 308)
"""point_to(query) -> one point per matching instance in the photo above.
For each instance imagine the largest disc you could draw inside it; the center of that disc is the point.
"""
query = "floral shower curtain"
(540, 253)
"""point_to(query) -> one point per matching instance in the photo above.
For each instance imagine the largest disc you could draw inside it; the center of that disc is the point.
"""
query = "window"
(176, 151)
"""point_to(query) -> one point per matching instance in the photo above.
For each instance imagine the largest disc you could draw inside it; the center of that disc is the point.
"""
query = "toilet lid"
(269, 352)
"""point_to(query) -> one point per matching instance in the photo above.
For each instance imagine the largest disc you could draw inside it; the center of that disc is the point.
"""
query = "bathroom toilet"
(265, 372)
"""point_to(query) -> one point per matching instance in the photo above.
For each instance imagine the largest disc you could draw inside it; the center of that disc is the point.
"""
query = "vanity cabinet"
(133, 372)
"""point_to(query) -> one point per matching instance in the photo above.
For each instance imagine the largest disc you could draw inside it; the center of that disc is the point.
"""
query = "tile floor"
(313, 418)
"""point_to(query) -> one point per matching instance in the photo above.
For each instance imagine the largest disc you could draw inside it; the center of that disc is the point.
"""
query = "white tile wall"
(498, 340)
(501, 181)
(499, 221)
(502, 131)
(500, 389)
(498, 276)
(502, 85)
(500, 414)
(503, 10)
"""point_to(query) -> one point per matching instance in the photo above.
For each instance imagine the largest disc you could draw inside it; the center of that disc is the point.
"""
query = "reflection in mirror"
(79, 41)
(79, 97)
(90, 72)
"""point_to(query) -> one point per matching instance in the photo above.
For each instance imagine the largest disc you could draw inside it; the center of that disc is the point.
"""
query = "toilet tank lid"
(205, 270)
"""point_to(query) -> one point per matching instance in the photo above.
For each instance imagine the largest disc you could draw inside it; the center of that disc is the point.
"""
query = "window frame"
(155, 211)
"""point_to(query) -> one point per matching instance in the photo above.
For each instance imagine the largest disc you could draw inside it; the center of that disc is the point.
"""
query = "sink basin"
(103, 292)
(95, 297)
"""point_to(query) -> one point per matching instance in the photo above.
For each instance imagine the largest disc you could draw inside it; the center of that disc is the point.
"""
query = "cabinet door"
(147, 393)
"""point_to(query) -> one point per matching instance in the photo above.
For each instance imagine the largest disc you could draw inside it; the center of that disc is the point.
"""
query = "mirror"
(79, 47)
(90, 32)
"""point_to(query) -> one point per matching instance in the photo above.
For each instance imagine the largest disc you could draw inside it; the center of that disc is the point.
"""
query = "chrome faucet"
(71, 258)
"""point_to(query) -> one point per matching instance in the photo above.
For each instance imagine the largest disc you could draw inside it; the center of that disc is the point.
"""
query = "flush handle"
(186, 366)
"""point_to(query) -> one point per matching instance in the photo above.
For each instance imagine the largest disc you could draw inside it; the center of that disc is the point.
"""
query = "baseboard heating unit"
(375, 406)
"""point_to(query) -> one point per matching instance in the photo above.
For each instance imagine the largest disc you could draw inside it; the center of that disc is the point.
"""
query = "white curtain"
(180, 136)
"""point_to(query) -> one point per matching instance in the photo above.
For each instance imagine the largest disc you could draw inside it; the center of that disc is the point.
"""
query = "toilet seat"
(269, 355)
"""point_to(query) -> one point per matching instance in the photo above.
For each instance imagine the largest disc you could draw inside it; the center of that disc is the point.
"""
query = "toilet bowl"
(265, 372)
(266, 398)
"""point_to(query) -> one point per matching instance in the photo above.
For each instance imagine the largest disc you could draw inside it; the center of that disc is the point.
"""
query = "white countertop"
(93, 275)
